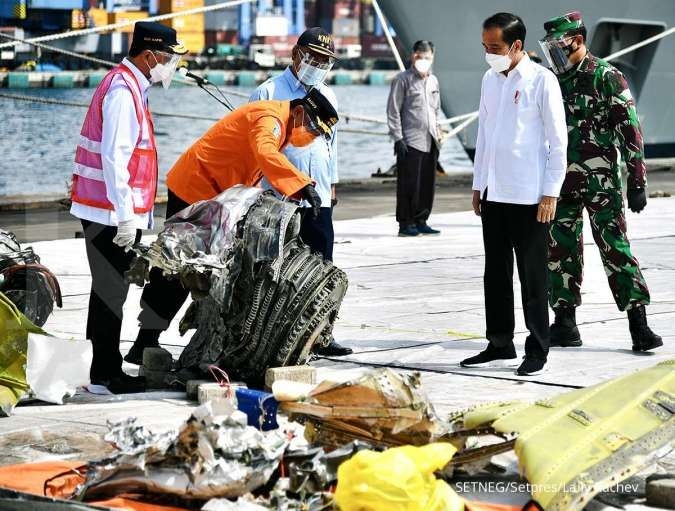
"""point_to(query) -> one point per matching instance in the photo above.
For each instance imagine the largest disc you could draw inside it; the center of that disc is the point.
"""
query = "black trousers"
(509, 228)
(415, 186)
(162, 297)
(107, 263)
(318, 232)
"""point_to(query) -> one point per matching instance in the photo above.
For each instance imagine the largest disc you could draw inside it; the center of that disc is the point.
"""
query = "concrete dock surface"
(413, 303)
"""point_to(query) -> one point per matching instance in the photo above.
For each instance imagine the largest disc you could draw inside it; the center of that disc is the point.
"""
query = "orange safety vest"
(88, 187)
(241, 148)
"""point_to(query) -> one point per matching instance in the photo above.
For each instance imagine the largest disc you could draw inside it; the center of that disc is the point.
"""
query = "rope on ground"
(50, 101)
(457, 373)
(113, 26)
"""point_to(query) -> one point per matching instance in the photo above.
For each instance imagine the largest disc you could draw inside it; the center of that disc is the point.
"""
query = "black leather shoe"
(122, 384)
(425, 229)
(408, 231)
(334, 350)
(135, 354)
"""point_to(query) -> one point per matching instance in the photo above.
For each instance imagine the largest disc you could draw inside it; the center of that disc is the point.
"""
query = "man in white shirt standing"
(114, 187)
(519, 169)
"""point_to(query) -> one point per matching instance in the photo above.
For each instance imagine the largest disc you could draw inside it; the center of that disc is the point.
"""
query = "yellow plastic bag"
(14, 329)
(398, 479)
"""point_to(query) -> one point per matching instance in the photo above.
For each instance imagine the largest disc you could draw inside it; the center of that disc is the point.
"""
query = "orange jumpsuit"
(241, 148)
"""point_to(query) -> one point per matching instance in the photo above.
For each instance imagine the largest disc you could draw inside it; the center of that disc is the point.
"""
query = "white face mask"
(311, 71)
(164, 72)
(499, 63)
(310, 75)
(423, 65)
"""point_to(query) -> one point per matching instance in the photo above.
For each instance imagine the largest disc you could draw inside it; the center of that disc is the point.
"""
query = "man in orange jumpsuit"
(241, 148)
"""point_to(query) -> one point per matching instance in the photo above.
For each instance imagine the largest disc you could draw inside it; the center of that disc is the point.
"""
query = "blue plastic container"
(260, 408)
(246, 79)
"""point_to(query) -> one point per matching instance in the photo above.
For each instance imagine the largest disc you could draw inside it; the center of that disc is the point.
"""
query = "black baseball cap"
(320, 111)
(318, 40)
(150, 35)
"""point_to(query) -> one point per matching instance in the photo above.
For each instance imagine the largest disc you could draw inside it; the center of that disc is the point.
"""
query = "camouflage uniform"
(603, 130)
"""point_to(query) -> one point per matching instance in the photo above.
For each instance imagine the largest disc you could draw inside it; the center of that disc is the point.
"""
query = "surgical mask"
(311, 71)
(499, 63)
(303, 133)
(164, 72)
(557, 52)
(301, 137)
(423, 65)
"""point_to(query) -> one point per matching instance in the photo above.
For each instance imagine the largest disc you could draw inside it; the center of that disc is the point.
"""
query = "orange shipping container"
(189, 23)
(99, 17)
(193, 41)
(124, 17)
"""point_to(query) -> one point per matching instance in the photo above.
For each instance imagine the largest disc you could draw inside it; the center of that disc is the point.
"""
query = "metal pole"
(387, 34)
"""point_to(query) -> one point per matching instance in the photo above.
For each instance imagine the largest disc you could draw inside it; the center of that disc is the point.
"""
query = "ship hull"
(455, 28)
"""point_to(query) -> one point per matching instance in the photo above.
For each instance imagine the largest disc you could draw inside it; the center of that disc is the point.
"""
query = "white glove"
(126, 234)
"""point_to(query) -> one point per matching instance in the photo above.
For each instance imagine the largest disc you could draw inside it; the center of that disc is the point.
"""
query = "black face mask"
(568, 50)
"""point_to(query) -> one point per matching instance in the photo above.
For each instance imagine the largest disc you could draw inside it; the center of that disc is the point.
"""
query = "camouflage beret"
(558, 27)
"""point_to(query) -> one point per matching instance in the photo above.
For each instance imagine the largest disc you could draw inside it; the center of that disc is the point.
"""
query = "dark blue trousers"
(318, 232)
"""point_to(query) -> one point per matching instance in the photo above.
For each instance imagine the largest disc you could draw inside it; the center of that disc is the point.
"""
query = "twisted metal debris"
(28, 284)
(261, 298)
(209, 457)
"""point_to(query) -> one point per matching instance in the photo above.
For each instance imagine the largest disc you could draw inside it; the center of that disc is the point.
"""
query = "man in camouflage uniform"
(603, 130)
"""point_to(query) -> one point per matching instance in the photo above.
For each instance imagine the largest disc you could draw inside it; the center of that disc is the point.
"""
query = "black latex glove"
(310, 195)
(400, 149)
(637, 199)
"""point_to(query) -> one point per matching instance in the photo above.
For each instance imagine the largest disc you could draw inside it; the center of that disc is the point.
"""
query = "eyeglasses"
(323, 62)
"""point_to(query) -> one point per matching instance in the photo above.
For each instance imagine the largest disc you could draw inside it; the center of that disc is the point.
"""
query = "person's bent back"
(239, 149)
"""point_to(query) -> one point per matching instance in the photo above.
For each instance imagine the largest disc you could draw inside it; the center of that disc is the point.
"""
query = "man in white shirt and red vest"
(114, 187)
(519, 169)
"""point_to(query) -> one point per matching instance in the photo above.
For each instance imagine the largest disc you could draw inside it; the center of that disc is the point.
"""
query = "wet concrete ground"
(412, 303)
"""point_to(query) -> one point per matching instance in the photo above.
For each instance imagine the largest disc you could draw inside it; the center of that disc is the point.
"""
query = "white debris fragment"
(56, 367)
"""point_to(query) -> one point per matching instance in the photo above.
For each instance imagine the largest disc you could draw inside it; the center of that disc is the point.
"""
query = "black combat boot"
(564, 331)
(643, 337)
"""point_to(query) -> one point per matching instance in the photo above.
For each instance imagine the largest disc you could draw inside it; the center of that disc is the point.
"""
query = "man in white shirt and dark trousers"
(519, 169)
(114, 187)
(312, 58)
(412, 114)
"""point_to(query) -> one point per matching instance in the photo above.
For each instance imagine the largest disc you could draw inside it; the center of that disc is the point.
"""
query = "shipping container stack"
(221, 28)
(190, 28)
(374, 45)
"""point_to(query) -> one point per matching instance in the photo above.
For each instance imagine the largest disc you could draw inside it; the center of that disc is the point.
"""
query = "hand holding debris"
(310, 195)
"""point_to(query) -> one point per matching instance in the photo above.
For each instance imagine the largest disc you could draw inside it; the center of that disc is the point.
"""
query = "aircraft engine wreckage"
(261, 298)
(28, 284)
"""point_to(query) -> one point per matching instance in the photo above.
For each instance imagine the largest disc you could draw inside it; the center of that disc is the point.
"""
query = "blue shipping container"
(13, 9)
(123, 5)
(58, 4)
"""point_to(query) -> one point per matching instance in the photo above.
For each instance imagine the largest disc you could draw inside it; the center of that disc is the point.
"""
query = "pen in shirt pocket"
(516, 97)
